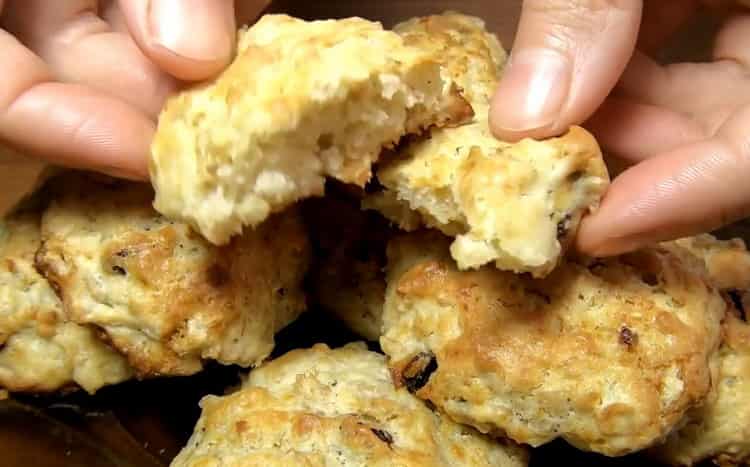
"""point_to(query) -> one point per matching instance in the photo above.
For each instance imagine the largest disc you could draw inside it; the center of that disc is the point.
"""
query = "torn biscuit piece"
(324, 407)
(515, 205)
(610, 356)
(41, 350)
(159, 292)
(301, 101)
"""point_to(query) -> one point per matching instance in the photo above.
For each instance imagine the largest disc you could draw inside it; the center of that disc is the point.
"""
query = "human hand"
(83, 80)
(685, 127)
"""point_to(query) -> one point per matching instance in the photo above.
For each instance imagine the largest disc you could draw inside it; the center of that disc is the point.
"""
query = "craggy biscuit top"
(471, 56)
(41, 350)
(161, 294)
(609, 356)
(515, 205)
(323, 407)
(302, 100)
(720, 429)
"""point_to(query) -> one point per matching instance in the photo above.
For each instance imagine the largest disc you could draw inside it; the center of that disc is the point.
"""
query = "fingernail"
(532, 91)
(194, 29)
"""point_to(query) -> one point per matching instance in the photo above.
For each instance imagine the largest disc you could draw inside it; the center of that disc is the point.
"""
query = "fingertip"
(531, 95)
(595, 240)
(190, 39)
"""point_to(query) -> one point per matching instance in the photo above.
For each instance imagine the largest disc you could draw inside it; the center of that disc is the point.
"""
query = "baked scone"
(470, 55)
(322, 407)
(720, 429)
(348, 276)
(160, 293)
(301, 101)
(515, 205)
(41, 351)
(608, 356)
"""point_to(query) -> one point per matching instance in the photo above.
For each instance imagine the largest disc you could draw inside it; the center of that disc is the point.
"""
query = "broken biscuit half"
(302, 100)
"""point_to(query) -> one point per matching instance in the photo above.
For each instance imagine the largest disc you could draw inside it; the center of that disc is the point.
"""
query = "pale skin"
(82, 82)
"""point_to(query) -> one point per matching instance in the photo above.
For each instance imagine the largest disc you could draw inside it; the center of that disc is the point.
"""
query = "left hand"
(84, 80)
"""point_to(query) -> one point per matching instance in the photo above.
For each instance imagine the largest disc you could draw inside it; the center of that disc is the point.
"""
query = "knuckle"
(568, 21)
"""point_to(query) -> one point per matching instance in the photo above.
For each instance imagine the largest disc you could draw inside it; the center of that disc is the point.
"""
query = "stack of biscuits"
(339, 166)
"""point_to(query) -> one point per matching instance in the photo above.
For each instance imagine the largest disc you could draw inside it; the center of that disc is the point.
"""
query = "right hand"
(683, 127)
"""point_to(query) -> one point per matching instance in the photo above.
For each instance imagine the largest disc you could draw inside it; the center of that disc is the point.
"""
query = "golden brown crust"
(302, 100)
(720, 429)
(515, 205)
(323, 407)
(471, 56)
(162, 295)
(41, 350)
(609, 357)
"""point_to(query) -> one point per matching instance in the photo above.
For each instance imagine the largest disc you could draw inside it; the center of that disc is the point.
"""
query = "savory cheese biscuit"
(301, 101)
(515, 205)
(323, 407)
(720, 429)
(348, 277)
(162, 294)
(471, 56)
(41, 350)
(608, 356)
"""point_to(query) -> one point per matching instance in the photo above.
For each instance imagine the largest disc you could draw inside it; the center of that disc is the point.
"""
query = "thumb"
(189, 39)
(566, 58)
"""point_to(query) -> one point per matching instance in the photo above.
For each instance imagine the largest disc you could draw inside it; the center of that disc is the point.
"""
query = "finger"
(637, 131)
(693, 189)
(80, 47)
(689, 88)
(68, 124)
(566, 58)
(190, 39)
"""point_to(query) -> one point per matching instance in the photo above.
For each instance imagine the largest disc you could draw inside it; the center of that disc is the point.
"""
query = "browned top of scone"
(40, 349)
(161, 293)
(609, 355)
